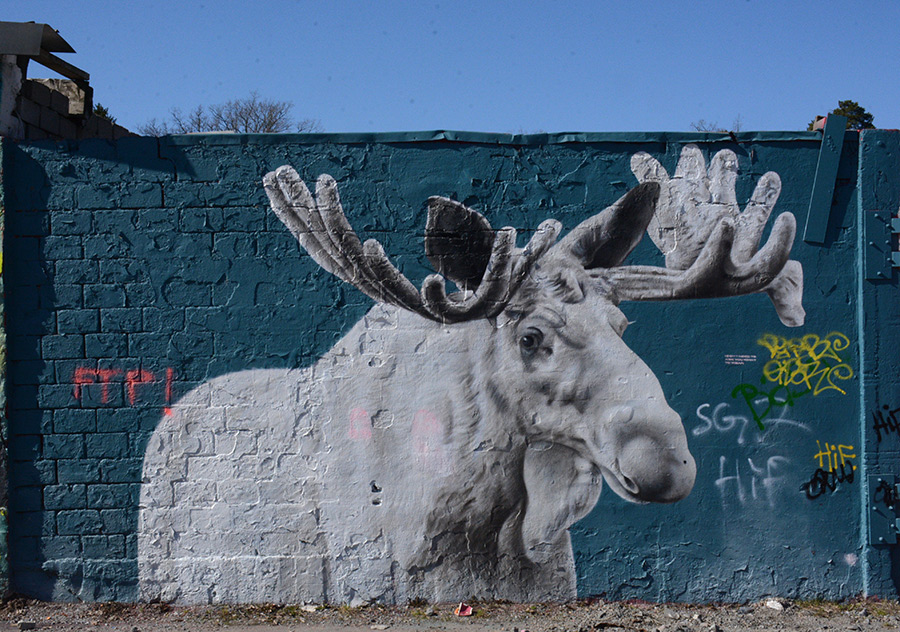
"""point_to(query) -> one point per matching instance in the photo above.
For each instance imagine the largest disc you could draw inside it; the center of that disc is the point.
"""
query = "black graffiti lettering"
(885, 421)
(885, 493)
(823, 481)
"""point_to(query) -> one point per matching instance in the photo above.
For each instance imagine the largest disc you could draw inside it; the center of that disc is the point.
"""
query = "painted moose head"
(566, 374)
(518, 392)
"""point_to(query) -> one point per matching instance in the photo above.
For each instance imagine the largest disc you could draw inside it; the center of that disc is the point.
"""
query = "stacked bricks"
(45, 114)
(136, 270)
(74, 447)
(139, 268)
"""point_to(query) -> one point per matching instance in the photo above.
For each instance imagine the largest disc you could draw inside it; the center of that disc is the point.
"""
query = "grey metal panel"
(877, 247)
(826, 172)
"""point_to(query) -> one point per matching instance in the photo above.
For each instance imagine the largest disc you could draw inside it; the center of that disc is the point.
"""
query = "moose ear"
(458, 241)
(604, 240)
(562, 488)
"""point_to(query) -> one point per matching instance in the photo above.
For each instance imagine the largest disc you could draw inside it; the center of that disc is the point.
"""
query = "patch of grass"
(267, 613)
(825, 607)
(225, 615)
(291, 612)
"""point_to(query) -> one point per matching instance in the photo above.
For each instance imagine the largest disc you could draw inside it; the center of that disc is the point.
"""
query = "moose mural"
(442, 449)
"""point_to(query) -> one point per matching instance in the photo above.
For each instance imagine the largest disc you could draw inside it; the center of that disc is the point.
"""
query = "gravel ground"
(582, 616)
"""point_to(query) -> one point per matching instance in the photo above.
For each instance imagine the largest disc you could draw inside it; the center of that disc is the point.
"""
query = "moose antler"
(711, 247)
(323, 230)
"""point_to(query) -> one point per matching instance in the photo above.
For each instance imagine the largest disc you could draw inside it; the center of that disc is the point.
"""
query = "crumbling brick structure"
(40, 109)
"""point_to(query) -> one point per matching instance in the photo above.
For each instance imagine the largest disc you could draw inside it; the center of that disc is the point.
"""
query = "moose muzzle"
(651, 461)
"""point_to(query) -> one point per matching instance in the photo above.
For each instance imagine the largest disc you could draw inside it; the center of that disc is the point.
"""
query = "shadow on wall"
(73, 472)
(100, 282)
(172, 261)
(30, 295)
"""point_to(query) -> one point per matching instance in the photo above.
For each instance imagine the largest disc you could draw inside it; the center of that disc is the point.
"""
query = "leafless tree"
(702, 125)
(251, 115)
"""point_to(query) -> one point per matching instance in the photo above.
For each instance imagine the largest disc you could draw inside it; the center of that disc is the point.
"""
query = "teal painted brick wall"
(141, 268)
(4, 469)
(879, 305)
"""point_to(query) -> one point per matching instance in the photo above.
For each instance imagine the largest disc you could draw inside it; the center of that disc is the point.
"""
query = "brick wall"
(133, 274)
(139, 268)
(46, 113)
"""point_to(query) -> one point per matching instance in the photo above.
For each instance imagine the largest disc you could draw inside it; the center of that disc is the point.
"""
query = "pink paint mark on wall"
(425, 428)
(170, 375)
(360, 425)
(428, 440)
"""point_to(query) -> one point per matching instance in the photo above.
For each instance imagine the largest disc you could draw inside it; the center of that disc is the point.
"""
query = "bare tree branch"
(250, 115)
(702, 125)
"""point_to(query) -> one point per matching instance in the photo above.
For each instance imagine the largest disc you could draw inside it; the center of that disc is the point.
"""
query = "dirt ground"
(582, 616)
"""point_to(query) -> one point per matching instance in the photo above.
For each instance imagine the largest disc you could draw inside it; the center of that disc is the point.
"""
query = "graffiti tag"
(886, 421)
(827, 481)
(87, 375)
(810, 362)
(723, 422)
(132, 379)
(796, 367)
(755, 483)
(761, 402)
(835, 466)
(427, 436)
(428, 440)
(828, 457)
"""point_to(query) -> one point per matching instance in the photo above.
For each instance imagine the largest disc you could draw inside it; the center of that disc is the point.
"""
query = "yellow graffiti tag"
(811, 361)
(833, 455)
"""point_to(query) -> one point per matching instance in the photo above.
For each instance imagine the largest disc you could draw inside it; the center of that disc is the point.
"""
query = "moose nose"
(657, 469)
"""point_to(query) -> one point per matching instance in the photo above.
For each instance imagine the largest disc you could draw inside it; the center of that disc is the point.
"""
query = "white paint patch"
(396, 467)
(739, 358)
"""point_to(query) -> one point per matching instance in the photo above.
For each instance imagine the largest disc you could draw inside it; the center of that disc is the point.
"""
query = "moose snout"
(653, 463)
(656, 473)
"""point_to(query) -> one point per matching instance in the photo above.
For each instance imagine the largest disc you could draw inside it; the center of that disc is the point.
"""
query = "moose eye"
(530, 342)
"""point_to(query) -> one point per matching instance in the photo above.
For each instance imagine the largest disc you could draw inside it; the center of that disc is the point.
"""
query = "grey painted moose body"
(444, 446)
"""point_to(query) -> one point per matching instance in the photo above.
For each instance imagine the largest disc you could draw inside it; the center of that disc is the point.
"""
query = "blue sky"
(501, 66)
